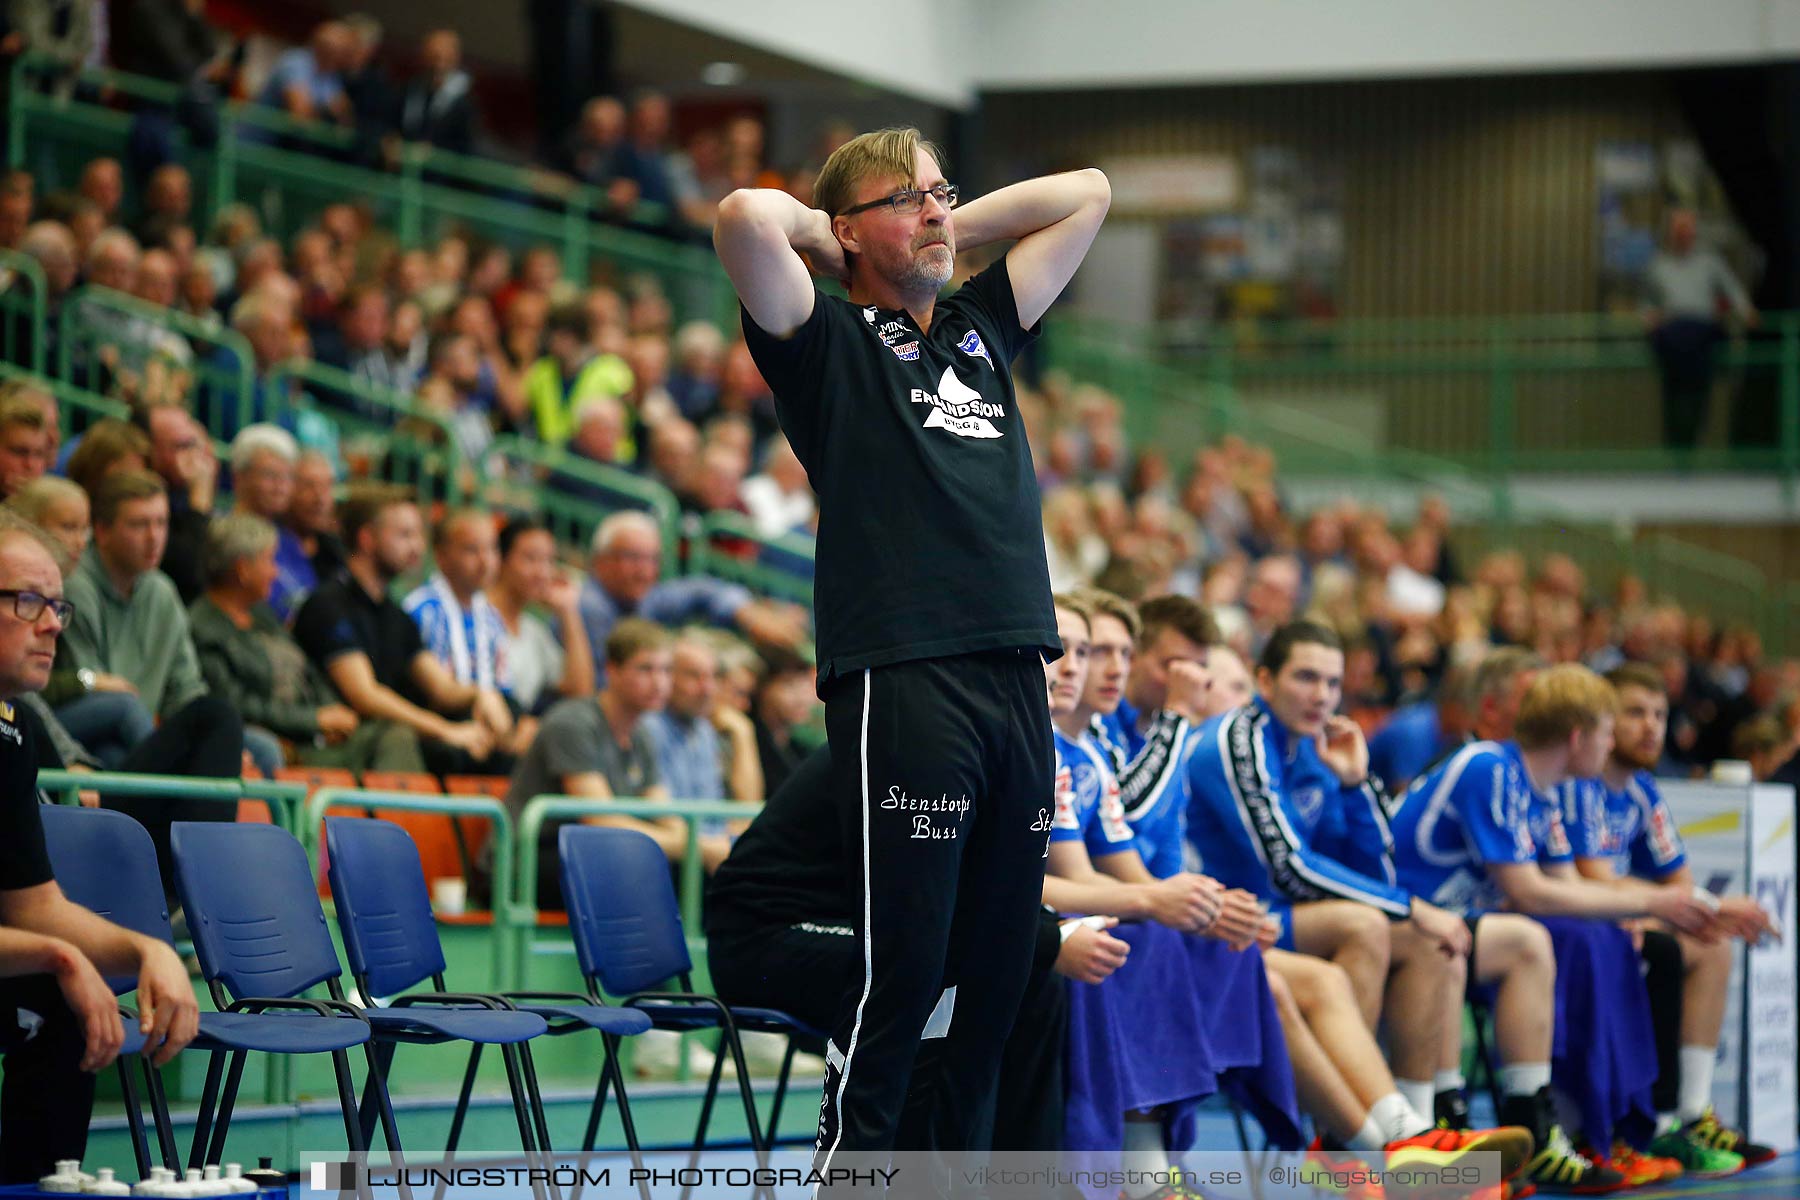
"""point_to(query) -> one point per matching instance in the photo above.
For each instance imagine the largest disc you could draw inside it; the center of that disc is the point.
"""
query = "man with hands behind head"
(932, 596)
(59, 1022)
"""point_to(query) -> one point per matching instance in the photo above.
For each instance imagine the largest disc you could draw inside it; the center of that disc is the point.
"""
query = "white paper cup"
(450, 897)
(1732, 771)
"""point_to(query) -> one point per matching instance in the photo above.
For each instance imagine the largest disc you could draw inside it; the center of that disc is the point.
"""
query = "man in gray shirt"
(1688, 284)
(601, 748)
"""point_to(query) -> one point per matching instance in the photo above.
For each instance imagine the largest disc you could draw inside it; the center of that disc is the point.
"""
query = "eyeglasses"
(29, 606)
(907, 203)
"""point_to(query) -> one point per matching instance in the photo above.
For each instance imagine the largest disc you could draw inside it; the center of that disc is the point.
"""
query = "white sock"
(1371, 1137)
(1418, 1093)
(1396, 1117)
(1449, 1081)
(1524, 1079)
(1695, 1092)
(1144, 1151)
(1667, 1122)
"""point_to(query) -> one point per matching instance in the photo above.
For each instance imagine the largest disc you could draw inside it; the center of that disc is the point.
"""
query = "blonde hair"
(1561, 700)
(42, 494)
(1102, 603)
(883, 152)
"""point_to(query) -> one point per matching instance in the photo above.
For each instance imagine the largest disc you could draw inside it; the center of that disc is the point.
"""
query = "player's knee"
(1369, 931)
(1285, 1005)
(1705, 956)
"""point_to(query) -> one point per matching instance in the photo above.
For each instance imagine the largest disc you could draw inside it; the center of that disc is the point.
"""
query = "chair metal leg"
(612, 1067)
(209, 1095)
(1484, 1056)
(592, 1132)
(367, 1108)
(159, 1112)
(539, 1120)
(515, 1082)
(757, 1145)
(781, 1086)
(346, 1089)
(228, 1101)
(134, 1116)
(462, 1099)
(706, 1106)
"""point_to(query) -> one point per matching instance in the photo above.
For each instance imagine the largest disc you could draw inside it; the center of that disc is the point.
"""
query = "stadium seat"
(390, 938)
(444, 847)
(260, 935)
(628, 940)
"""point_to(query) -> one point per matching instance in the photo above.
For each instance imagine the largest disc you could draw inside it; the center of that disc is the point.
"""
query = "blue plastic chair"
(105, 862)
(391, 940)
(629, 939)
(260, 934)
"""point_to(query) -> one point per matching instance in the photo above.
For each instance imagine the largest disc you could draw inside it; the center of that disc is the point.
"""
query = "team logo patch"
(906, 351)
(959, 408)
(869, 314)
(971, 346)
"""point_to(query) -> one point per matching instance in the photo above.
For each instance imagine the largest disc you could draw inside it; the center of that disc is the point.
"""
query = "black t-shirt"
(931, 541)
(791, 866)
(23, 860)
(340, 617)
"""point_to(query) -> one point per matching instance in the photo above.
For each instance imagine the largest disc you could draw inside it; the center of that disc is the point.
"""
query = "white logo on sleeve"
(959, 408)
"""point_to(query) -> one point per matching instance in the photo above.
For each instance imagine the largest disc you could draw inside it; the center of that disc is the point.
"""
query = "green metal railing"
(540, 809)
(288, 171)
(100, 329)
(1491, 396)
(22, 305)
(284, 799)
(378, 429)
(779, 566)
(311, 835)
(574, 494)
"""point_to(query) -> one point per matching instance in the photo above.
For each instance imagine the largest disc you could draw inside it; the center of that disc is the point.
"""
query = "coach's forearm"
(805, 229)
(1024, 208)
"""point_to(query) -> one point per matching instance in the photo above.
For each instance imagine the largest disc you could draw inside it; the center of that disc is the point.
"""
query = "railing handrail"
(284, 799)
(32, 270)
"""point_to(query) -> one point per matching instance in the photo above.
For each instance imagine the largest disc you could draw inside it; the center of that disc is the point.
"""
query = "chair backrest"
(622, 908)
(383, 910)
(106, 862)
(257, 924)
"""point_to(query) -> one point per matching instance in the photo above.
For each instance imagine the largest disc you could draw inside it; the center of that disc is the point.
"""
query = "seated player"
(1281, 805)
(1619, 828)
(1095, 867)
(1470, 834)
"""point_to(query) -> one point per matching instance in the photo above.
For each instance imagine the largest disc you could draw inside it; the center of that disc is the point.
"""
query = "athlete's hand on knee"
(168, 1014)
(93, 1004)
(1683, 911)
(1445, 928)
(1089, 955)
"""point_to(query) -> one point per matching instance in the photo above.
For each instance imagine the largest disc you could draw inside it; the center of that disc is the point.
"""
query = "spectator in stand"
(103, 183)
(499, 388)
(644, 158)
(372, 651)
(15, 217)
(455, 617)
(57, 507)
(157, 279)
(743, 392)
(780, 500)
(523, 324)
(626, 565)
(593, 150)
(107, 447)
(699, 354)
(168, 199)
(600, 435)
(130, 623)
(1687, 286)
(53, 246)
(601, 748)
(312, 519)
(784, 700)
(572, 371)
(182, 455)
(707, 749)
(674, 448)
(307, 82)
(451, 391)
(263, 459)
(358, 343)
(438, 106)
(24, 442)
(716, 482)
(250, 659)
(546, 664)
(374, 107)
(168, 40)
